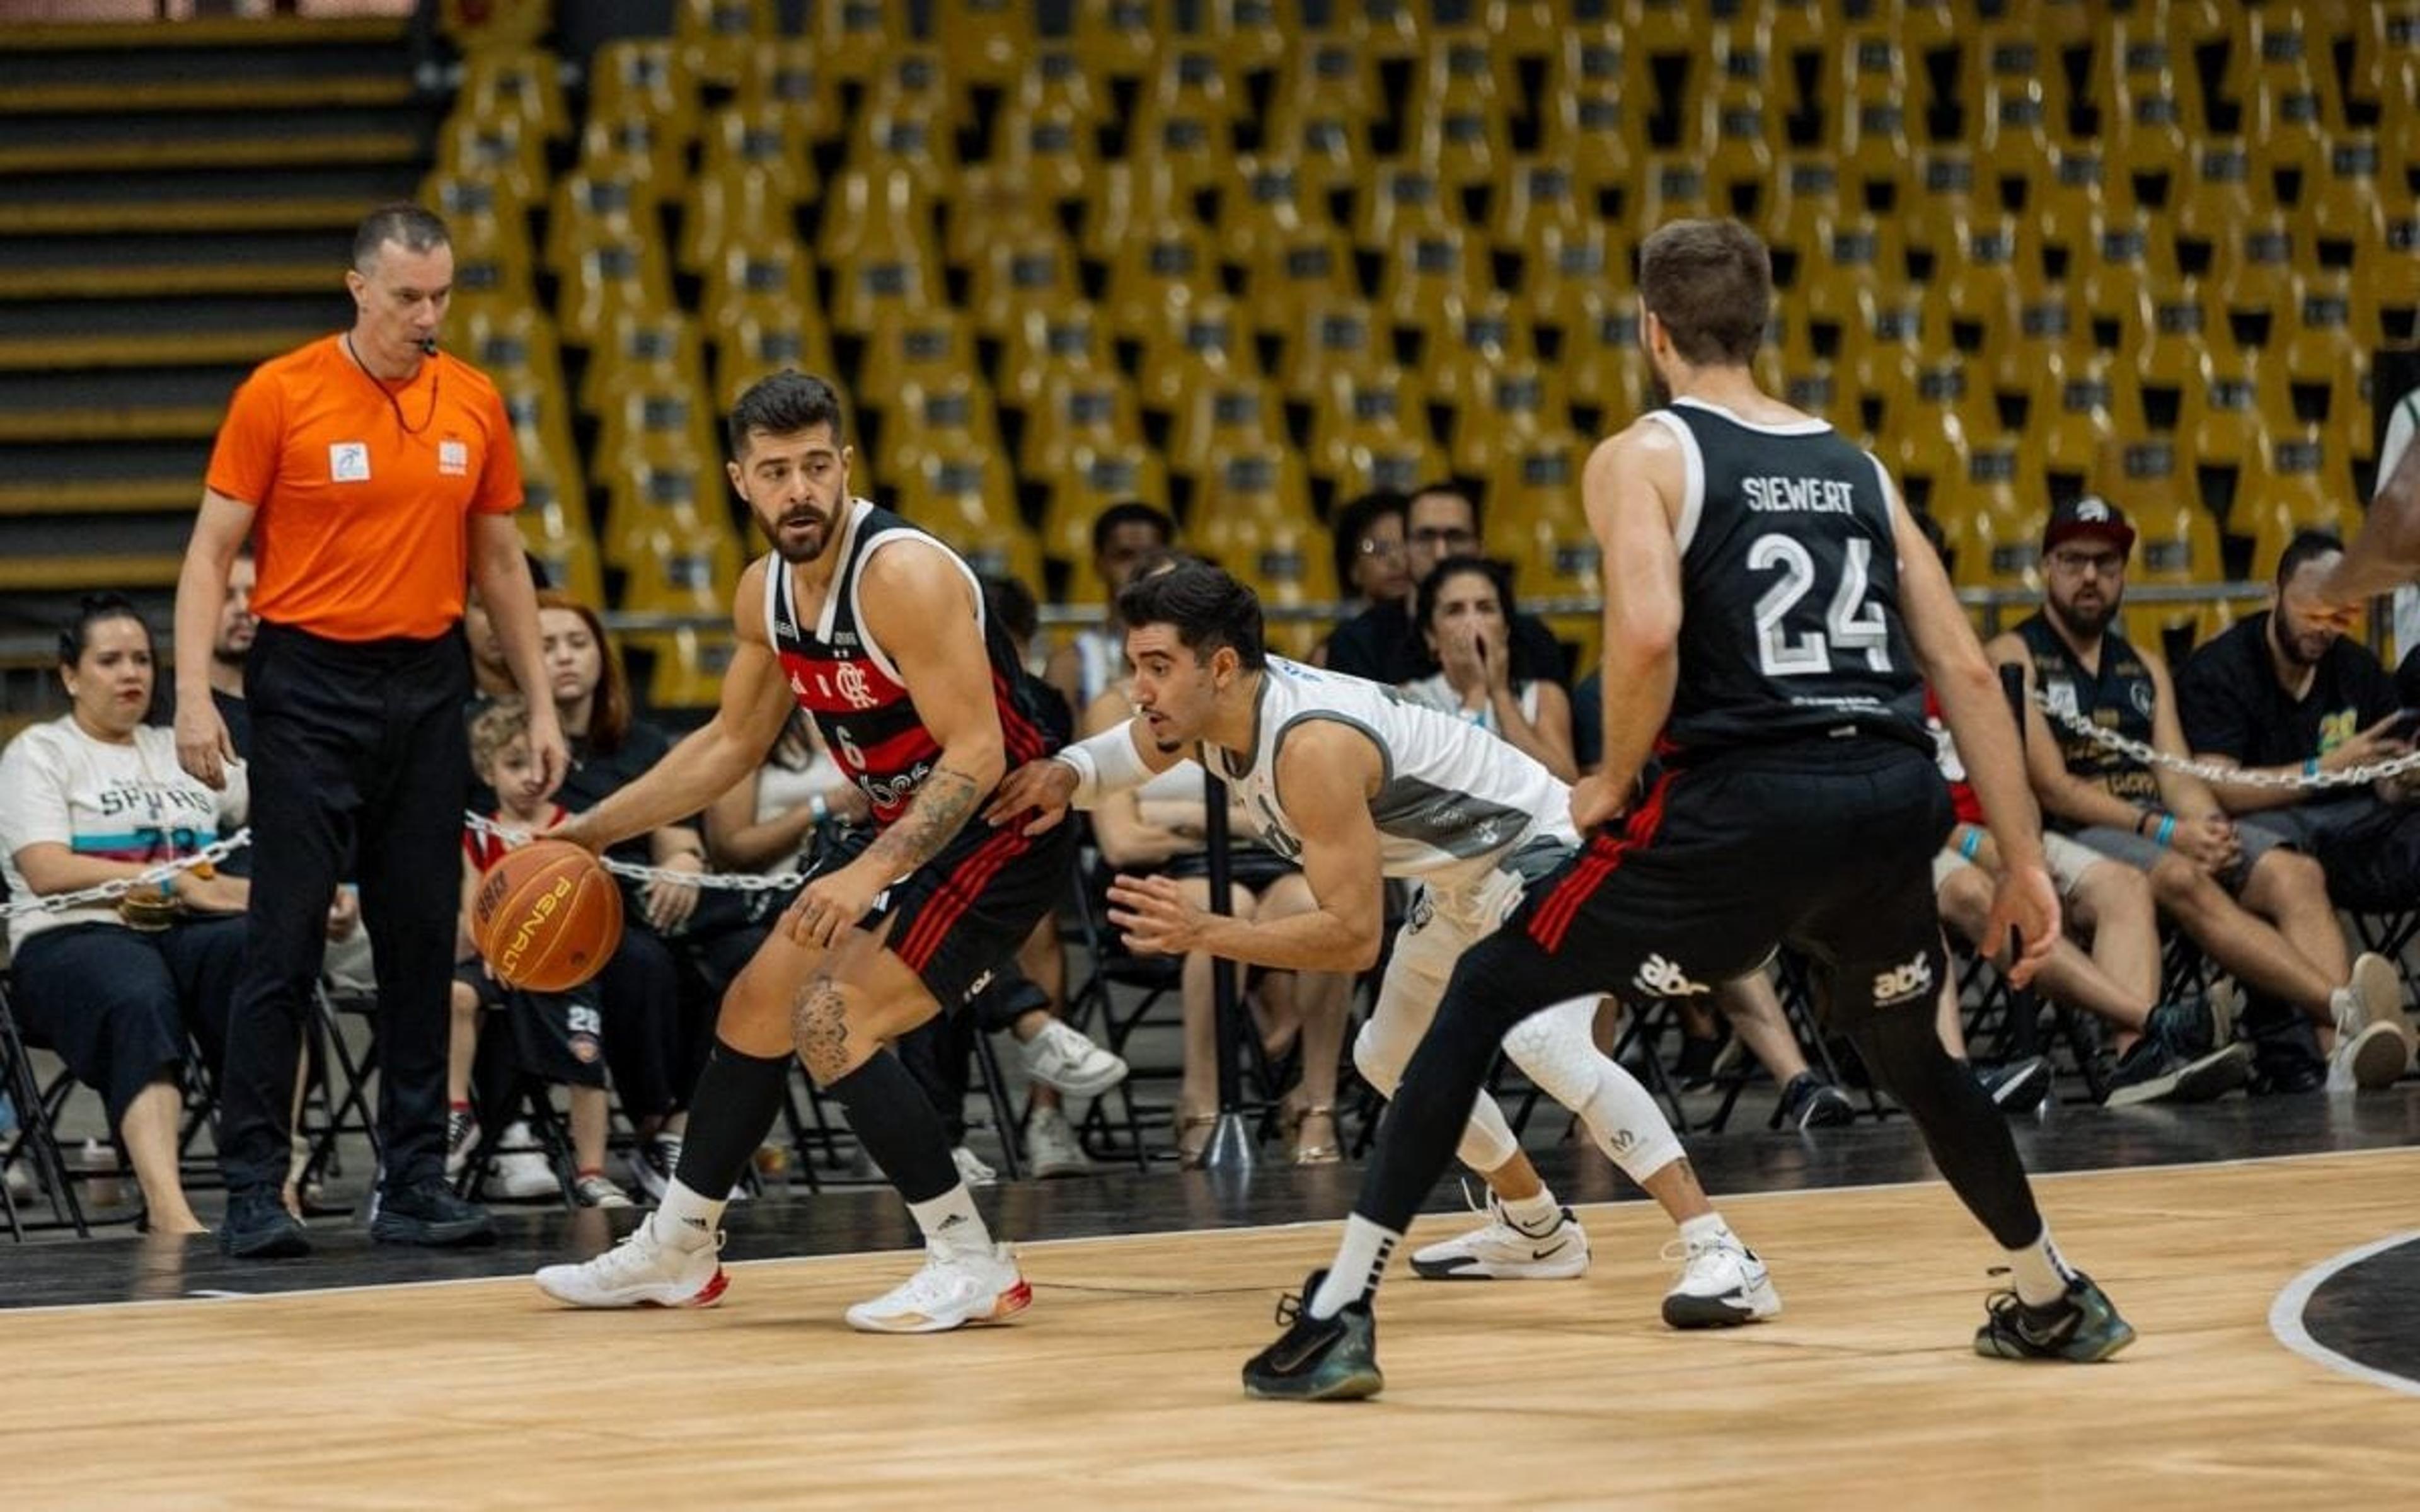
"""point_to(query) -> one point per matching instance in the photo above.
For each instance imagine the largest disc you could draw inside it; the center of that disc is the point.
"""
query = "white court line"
(1024, 1246)
(2286, 1317)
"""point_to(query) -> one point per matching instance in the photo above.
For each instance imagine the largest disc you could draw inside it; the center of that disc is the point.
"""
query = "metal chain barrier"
(219, 850)
(110, 891)
(2136, 751)
(727, 881)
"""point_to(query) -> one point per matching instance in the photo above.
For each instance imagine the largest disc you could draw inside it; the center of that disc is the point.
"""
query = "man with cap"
(2257, 906)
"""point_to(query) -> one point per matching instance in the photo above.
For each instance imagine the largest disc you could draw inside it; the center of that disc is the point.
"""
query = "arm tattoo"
(819, 1025)
(935, 815)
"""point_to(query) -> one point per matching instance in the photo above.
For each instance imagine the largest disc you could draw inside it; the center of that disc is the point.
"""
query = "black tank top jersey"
(1790, 578)
(851, 689)
(2120, 697)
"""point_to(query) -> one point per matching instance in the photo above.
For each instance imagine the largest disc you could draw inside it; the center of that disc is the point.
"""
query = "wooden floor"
(1119, 1387)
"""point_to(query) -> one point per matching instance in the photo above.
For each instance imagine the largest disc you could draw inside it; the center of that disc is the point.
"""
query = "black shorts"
(962, 915)
(557, 1036)
(1824, 845)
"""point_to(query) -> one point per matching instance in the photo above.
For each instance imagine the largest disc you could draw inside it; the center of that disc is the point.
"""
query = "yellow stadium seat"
(990, 41)
(1745, 138)
(2348, 206)
(2210, 204)
(1476, 337)
(1595, 123)
(750, 274)
(1359, 409)
(931, 343)
(2177, 542)
(1856, 256)
(1603, 367)
(686, 666)
(1046, 343)
(588, 207)
(621, 272)
(1048, 150)
(1117, 39)
(1330, 336)
(658, 352)
(856, 39)
(2320, 352)
(1193, 342)
(715, 37)
(739, 207)
(2220, 425)
(961, 492)
(562, 544)
(1082, 408)
(1537, 196)
(634, 84)
(506, 152)
(873, 215)
(1193, 142)
(1019, 272)
(1993, 525)
(1536, 472)
(1220, 418)
(790, 88)
(2256, 286)
(1400, 200)
(758, 344)
(1569, 270)
(663, 418)
(653, 497)
(1875, 149)
(1307, 269)
(1522, 401)
(1428, 267)
(995, 203)
(738, 147)
(950, 413)
(2289, 488)
(1458, 130)
(1163, 266)
(520, 84)
(685, 569)
(1094, 478)
(914, 135)
(1326, 138)
(1261, 204)
(1326, 77)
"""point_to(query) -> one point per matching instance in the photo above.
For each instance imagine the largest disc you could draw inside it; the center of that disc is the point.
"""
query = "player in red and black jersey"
(879, 632)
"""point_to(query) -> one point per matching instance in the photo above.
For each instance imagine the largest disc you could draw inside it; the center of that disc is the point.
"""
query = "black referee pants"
(358, 756)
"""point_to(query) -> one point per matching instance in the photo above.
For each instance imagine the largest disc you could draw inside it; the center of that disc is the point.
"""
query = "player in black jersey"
(879, 631)
(1771, 618)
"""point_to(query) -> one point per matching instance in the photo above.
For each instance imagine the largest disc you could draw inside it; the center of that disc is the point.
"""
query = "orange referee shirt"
(362, 491)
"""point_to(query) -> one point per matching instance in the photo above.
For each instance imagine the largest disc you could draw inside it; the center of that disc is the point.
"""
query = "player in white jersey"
(1358, 784)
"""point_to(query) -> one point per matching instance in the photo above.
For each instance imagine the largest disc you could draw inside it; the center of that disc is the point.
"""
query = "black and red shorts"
(964, 914)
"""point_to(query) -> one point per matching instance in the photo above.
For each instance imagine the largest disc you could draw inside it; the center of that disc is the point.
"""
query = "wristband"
(1106, 762)
(1970, 842)
(2167, 830)
(2311, 767)
(817, 808)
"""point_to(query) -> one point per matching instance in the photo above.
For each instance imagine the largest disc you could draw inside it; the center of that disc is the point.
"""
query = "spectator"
(376, 476)
(1383, 645)
(2291, 694)
(646, 996)
(2256, 906)
(1369, 542)
(557, 1037)
(2401, 425)
(1159, 827)
(1465, 609)
(1123, 536)
(121, 992)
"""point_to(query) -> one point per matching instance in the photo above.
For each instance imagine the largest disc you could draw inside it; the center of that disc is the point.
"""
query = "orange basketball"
(545, 917)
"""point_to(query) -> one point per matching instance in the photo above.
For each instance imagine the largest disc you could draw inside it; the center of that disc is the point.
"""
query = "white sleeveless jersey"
(1451, 794)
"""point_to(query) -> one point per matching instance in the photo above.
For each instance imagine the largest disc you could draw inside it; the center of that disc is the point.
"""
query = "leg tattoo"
(819, 1023)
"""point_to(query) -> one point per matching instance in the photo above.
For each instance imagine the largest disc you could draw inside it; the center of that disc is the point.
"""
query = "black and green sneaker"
(1318, 1359)
(2082, 1326)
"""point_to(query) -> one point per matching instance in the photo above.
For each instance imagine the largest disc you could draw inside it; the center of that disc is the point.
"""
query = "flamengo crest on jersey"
(846, 683)
(1452, 793)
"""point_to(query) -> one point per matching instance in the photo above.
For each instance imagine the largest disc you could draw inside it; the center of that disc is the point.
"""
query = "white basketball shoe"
(951, 1289)
(1502, 1250)
(640, 1271)
(1722, 1285)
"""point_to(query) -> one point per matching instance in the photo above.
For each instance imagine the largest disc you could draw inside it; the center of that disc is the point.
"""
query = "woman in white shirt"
(1465, 608)
(91, 797)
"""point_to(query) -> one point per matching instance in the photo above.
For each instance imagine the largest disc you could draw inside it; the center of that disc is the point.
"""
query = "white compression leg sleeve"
(1487, 1140)
(1553, 1049)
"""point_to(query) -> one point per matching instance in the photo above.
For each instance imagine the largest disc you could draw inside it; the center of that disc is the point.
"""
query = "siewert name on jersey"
(1820, 496)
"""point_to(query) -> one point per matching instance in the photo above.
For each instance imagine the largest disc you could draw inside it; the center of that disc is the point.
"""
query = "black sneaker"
(2191, 1030)
(1809, 1101)
(258, 1228)
(2082, 1326)
(429, 1213)
(1318, 1359)
(2151, 1072)
(2018, 1087)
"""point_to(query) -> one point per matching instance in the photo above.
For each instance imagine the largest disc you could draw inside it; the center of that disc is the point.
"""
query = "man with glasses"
(2258, 908)
(1383, 644)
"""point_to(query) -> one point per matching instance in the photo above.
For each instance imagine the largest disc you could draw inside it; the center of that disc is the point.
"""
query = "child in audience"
(557, 1036)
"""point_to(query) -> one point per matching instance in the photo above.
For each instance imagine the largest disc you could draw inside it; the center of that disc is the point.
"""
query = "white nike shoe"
(1500, 1250)
(2373, 1037)
(1064, 1057)
(950, 1290)
(640, 1271)
(1722, 1285)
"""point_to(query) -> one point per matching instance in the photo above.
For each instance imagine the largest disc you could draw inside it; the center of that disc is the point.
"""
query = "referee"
(373, 476)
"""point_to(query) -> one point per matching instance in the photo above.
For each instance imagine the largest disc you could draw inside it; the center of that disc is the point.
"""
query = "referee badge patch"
(349, 462)
(453, 458)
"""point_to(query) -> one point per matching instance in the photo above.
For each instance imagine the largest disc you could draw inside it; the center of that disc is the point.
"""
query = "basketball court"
(2265, 1252)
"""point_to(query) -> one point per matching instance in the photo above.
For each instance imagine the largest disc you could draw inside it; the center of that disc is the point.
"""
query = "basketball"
(546, 916)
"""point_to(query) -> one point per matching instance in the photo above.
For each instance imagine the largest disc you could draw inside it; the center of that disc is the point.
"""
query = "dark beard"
(773, 534)
(2082, 627)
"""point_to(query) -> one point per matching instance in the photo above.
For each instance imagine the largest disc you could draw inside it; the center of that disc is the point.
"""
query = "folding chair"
(36, 1133)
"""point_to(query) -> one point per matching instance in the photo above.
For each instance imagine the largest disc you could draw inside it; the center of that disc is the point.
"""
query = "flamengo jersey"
(1789, 573)
(844, 681)
(1452, 793)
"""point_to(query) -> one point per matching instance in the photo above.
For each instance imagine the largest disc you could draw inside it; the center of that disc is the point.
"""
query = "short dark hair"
(76, 635)
(1432, 587)
(1009, 602)
(1353, 522)
(786, 403)
(2306, 547)
(1204, 603)
(1710, 283)
(413, 227)
(1106, 523)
